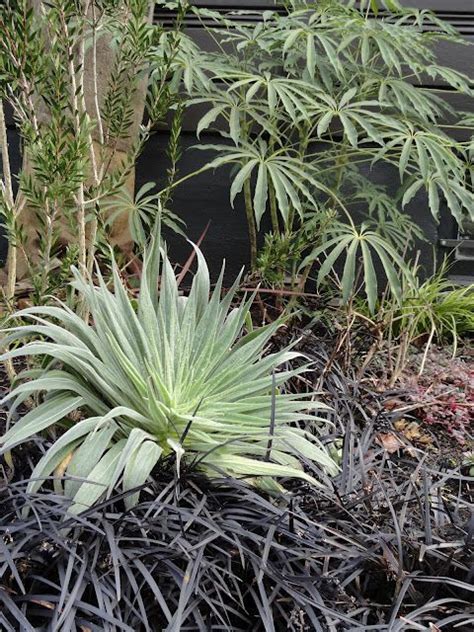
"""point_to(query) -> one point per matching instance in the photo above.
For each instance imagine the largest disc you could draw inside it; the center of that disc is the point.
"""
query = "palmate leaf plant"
(142, 209)
(355, 243)
(160, 374)
(326, 91)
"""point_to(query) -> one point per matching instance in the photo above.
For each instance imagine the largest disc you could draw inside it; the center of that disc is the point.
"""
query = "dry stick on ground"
(338, 346)
(374, 348)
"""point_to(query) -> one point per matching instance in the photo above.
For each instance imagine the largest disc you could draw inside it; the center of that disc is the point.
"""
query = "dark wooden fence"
(206, 198)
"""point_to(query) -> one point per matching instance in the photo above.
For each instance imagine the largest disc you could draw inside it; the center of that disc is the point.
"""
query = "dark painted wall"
(199, 200)
(206, 197)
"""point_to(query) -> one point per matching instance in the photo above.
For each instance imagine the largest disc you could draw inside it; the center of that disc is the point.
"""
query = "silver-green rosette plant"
(154, 375)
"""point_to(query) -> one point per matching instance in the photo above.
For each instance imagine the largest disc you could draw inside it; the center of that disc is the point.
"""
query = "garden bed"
(191, 448)
(387, 549)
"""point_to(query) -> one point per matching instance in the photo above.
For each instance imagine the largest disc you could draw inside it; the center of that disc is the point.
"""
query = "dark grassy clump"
(384, 547)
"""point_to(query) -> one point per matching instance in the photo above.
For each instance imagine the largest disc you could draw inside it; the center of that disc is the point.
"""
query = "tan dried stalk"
(8, 193)
(100, 132)
(12, 249)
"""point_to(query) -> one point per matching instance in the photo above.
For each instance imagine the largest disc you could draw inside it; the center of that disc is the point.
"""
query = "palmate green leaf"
(310, 44)
(225, 106)
(172, 374)
(292, 180)
(370, 277)
(459, 199)
(458, 80)
(293, 95)
(352, 115)
(383, 212)
(234, 124)
(425, 151)
(433, 198)
(405, 156)
(348, 275)
(310, 54)
(396, 47)
(353, 242)
(324, 123)
(261, 193)
(411, 191)
(349, 129)
(244, 174)
(209, 118)
(142, 210)
(412, 100)
(388, 257)
(433, 162)
(339, 242)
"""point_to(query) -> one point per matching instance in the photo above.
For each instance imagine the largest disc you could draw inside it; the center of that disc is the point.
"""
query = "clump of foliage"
(385, 549)
(438, 307)
(169, 374)
(78, 111)
(306, 101)
(443, 395)
(430, 311)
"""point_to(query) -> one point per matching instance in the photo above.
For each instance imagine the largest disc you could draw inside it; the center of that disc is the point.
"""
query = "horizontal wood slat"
(457, 13)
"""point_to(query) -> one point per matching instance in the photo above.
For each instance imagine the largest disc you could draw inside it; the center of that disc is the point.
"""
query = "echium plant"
(156, 375)
(77, 77)
(307, 101)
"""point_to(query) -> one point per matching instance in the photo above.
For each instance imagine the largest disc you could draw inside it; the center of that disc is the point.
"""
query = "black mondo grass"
(387, 550)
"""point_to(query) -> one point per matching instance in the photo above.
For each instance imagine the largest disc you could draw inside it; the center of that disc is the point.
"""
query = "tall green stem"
(274, 211)
(75, 102)
(50, 219)
(251, 224)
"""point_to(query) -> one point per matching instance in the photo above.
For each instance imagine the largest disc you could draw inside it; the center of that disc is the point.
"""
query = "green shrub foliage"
(159, 374)
(308, 101)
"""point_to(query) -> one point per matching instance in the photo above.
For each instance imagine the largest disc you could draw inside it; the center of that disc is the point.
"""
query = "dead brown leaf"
(393, 404)
(389, 442)
(59, 471)
(413, 432)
